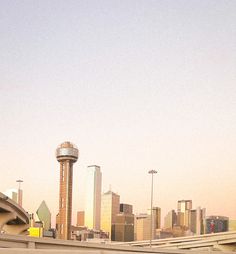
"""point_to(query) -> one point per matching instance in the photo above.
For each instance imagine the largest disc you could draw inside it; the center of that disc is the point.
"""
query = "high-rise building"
(123, 228)
(216, 224)
(110, 207)
(184, 205)
(183, 212)
(170, 220)
(66, 154)
(142, 224)
(93, 197)
(157, 217)
(126, 208)
(197, 218)
(44, 215)
(80, 219)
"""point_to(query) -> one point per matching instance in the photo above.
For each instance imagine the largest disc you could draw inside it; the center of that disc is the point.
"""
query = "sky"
(136, 85)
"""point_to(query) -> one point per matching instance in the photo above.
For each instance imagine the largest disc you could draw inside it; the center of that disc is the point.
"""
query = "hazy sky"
(136, 85)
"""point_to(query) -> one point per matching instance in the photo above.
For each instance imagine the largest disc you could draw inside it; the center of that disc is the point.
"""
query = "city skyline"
(181, 204)
(136, 85)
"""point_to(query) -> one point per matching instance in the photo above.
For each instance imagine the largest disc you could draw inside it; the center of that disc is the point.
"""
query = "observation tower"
(66, 154)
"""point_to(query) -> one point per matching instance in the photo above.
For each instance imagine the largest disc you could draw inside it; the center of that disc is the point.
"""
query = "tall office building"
(184, 205)
(157, 217)
(142, 224)
(66, 154)
(170, 220)
(126, 208)
(197, 218)
(93, 197)
(44, 215)
(183, 212)
(110, 207)
(123, 228)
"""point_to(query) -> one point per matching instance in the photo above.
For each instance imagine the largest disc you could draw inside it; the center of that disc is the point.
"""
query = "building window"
(62, 202)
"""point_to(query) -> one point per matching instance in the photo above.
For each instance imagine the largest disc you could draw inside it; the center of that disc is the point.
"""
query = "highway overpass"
(219, 241)
(25, 244)
(13, 218)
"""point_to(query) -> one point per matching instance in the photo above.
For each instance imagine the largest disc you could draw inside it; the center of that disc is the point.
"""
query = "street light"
(151, 234)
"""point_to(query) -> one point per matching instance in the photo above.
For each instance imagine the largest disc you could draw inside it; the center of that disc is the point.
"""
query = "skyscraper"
(157, 217)
(123, 228)
(183, 212)
(170, 220)
(110, 207)
(142, 224)
(184, 205)
(66, 154)
(93, 197)
(44, 215)
(197, 219)
(126, 208)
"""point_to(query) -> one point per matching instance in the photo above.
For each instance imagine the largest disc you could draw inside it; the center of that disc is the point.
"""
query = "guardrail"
(26, 244)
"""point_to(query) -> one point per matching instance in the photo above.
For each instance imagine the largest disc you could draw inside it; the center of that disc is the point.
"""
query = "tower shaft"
(66, 155)
(65, 200)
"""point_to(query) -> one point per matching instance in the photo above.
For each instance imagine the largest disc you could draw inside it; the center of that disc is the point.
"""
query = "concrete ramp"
(13, 218)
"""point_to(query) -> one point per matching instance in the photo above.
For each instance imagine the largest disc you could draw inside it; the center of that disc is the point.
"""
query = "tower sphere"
(67, 151)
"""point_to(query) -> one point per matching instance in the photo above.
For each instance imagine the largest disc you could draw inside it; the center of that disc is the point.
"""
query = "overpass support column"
(5, 217)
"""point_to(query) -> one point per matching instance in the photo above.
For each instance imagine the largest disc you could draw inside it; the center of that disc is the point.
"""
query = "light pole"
(151, 233)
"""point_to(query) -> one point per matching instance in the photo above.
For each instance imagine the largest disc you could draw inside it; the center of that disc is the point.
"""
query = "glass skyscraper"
(93, 197)
(44, 215)
(109, 209)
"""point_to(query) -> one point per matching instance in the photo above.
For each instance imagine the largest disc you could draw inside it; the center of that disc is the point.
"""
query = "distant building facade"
(80, 219)
(123, 228)
(170, 220)
(126, 208)
(157, 217)
(197, 219)
(44, 215)
(142, 225)
(232, 225)
(93, 197)
(91, 235)
(183, 212)
(186, 221)
(110, 207)
(216, 224)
